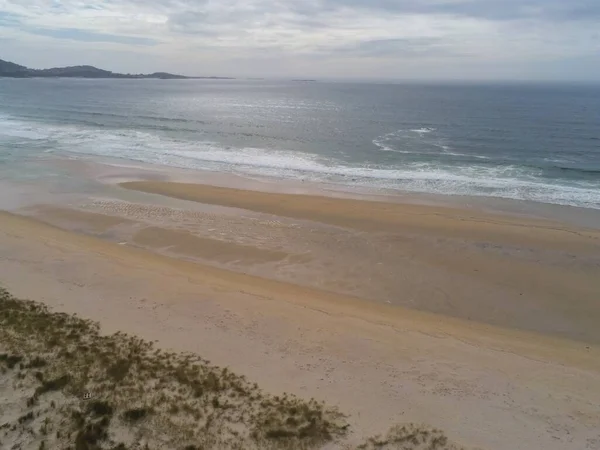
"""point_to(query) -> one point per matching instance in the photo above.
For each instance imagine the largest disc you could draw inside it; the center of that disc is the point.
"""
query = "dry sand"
(516, 367)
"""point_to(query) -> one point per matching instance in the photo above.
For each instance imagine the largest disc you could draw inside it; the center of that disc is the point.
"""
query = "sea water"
(530, 142)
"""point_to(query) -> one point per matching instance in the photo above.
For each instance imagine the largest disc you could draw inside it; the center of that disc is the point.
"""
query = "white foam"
(383, 141)
(384, 144)
(447, 151)
(13, 128)
(497, 181)
(423, 130)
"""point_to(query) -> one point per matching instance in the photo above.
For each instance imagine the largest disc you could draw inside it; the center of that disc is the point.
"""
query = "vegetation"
(12, 70)
(409, 437)
(69, 387)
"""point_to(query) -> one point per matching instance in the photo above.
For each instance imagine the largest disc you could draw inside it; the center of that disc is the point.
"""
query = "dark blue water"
(539, 143)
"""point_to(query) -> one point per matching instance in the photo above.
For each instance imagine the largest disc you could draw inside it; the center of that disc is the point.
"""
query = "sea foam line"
(483, 180)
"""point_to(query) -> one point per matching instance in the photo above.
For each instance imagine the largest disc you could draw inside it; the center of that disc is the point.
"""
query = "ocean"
(530, 142)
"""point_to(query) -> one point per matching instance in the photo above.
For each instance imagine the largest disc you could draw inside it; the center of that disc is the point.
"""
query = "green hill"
(12, 70)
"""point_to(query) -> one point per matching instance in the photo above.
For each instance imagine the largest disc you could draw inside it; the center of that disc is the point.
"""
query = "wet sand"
(371, 215)
(509, 271)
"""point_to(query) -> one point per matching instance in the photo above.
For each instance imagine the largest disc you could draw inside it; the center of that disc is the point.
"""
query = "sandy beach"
(480, 324)
(506, 270)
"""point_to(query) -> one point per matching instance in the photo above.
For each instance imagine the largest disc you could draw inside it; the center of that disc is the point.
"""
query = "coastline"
(112, 171)
(396, 308)
(505, 269)
(98, 175)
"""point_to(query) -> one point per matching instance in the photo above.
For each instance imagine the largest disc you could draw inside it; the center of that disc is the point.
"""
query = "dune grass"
(70, 387)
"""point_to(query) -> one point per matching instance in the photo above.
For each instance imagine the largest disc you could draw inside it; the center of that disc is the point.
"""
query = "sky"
(456, 40)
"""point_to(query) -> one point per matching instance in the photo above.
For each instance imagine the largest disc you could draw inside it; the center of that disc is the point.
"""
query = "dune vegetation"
(65, 385)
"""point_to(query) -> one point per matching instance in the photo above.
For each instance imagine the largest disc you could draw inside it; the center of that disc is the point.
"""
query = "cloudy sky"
(386, 39)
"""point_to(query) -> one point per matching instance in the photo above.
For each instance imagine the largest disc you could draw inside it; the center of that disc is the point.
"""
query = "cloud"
(262, 37)
(405, 47)
(76, 34)
(8, 19)
(486, 9)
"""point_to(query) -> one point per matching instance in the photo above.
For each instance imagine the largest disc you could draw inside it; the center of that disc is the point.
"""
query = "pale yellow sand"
(513, 272)
(485, 386)
(380, 216)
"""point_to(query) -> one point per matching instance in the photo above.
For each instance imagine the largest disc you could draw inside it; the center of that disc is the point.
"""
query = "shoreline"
(502, 270)
(145, 171)
(498, 268)
(481, 324)
(106, 172)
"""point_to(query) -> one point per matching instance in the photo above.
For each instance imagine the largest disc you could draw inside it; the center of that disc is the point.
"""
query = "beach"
(478, 323)
(406, 253)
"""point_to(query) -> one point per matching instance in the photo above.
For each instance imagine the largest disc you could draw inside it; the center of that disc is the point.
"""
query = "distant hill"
(9, 69)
